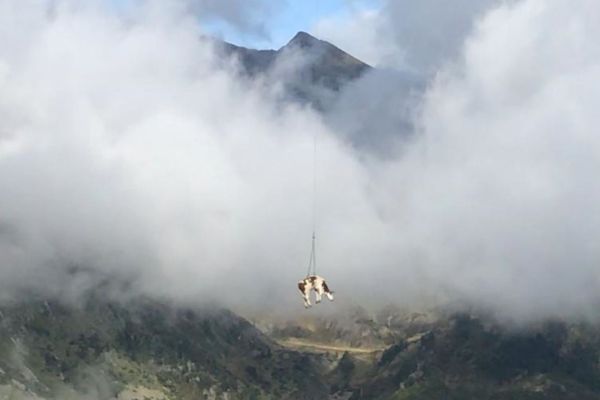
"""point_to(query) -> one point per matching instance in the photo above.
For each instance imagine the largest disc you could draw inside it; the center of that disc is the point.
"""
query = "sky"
(132, 153)
(281, 20)
(288, 18)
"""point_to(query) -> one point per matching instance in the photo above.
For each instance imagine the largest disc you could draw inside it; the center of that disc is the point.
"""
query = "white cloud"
(416, 36)
(125, 150)
(498, 197)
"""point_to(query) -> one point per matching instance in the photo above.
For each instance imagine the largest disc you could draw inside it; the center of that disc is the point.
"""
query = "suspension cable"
(312, 263)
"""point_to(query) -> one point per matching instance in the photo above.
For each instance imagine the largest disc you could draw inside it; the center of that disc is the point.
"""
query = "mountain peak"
(311, 65)
(303, 39)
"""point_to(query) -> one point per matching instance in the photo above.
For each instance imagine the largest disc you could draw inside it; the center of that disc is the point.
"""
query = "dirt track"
(322, 347)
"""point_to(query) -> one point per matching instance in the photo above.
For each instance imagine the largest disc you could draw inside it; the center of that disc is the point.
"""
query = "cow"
(316, 283)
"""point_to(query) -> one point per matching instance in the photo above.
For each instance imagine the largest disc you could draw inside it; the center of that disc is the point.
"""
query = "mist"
(128, 151)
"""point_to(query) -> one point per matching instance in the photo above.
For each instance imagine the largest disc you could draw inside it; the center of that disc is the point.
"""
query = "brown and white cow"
(316, 283)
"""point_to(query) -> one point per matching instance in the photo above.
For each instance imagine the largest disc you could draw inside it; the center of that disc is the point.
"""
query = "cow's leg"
(305, 292)
(306, 299)
(318, 294)
(328, 292)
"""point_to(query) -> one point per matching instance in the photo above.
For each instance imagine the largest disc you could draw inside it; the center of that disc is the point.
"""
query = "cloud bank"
(415, 36)
(125, 150)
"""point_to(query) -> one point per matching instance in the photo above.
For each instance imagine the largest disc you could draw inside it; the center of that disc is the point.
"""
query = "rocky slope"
(437, 355)
(145, 349)
(463, 358)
